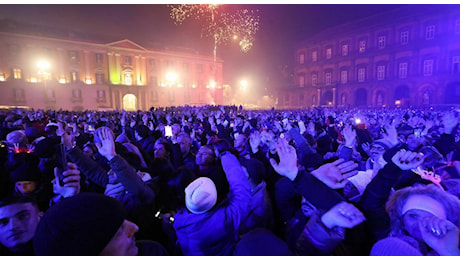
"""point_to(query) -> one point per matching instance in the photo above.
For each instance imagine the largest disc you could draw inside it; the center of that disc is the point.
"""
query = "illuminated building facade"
(407, 56)
(59, 73)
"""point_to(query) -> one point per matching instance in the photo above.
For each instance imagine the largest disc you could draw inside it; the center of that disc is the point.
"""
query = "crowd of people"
(222, 180)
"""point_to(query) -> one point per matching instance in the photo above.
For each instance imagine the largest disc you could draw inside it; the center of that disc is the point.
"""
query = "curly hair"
(395, 204)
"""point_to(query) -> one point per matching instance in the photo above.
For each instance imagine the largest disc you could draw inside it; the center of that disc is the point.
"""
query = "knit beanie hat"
(200, 195)
(80, 225)
(392, 246)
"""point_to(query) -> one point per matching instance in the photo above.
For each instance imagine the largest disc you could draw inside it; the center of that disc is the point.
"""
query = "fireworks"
(220, 26)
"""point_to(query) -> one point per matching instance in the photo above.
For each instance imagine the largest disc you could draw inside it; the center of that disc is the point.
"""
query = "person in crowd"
(205, 227)
(90, 224)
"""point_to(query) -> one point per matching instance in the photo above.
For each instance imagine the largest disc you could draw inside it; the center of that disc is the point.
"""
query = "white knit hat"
(200, 195)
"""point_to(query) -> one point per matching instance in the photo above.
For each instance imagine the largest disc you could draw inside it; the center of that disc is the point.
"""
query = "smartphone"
(168, 131)
(62, 163)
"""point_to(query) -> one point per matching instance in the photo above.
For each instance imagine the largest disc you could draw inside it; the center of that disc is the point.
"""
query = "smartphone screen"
(168, 131)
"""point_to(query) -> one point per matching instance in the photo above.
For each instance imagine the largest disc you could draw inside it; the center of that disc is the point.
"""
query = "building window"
(402, 71)
(301, 98)
(314, 56)
(101, 94)
(128, 60)
(128, 78)
(200, 68)
(50, 95)
(429, 32)
(455, 64)
(457, 26)
(14, 49)
(344, 77)
(171, 95)
(345, 50)
(301, 58)
(382, 42)
(381, 72)
(427, 67)
(17, 73)
(361, 74)
(73, 76)
(99, 58)
(99, 78)
(328, 78)
(185, 66)
(152, 63)
(328, 53)
(362, 46)
(301, 81)
(19, 95)
(76, 94)
(404, 37)
(314, 79)
(73, 56)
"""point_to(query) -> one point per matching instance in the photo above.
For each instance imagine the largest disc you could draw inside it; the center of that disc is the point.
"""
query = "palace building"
(41, 70)
(408, 56)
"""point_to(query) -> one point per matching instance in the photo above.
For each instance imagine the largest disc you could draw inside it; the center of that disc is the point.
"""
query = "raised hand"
(349, 134)
(106, 147)
(391, 134)
(254, 141)
(343, 215)
(335, 174)
(407, 160)
(71, 181)
(114, 190)
(440, 234)
(288, 160)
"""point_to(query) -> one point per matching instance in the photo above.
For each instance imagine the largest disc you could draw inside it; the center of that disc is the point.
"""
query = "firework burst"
(218, 25)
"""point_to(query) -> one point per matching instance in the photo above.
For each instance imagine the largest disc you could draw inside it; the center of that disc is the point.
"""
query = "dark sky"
(280, 27)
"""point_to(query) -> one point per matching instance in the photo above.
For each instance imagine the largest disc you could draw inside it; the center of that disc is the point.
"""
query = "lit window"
(362, 46)
(427, 67)
(361, 74)
(344, 77)
(17, 73)
(302, 81)
(314, 79)
(456, 64)
(73, 76)
(382, 41)
(314, 56)
(2, 77)
(128, 78)
(429, 32)
(345, 50)
(404, 37)
(301, 58)
(457, 26)
(402, 72)
(381, 72)
(328, 78)
(328, 53)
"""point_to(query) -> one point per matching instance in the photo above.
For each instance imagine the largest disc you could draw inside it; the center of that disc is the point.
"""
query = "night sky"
(280, 27)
